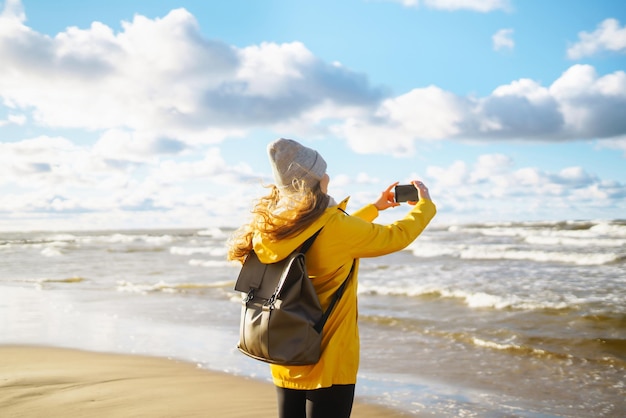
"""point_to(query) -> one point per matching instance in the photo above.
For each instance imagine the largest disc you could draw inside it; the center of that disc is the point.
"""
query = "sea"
(522, 319)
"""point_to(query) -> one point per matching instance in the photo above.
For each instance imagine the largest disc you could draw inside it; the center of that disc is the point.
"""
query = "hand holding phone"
(406, 193)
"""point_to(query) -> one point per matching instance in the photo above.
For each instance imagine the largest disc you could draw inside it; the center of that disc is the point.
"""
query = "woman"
(296, 208)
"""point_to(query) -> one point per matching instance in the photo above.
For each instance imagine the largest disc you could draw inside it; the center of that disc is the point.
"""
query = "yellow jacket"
(343, 239)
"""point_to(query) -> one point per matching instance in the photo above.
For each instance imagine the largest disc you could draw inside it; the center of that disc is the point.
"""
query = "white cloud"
(591, 106)
(489, 166)
(52, 183)
(55, 163)
(609, 36)
(43, 162)
(13, 120)
(453, 5)
(365, 178)
(163, 86)
(616, 143)
(494, 185)
(578, 105)
(130, 146)
(455, 176)
(503, 39)
(574, 176)
(13, 10)
(428, 113)
(162, 78)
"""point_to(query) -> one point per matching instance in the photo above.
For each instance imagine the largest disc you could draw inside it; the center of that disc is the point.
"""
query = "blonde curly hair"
(278, 216)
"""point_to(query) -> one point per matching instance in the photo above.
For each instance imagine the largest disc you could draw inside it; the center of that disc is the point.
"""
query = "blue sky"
(151, 114)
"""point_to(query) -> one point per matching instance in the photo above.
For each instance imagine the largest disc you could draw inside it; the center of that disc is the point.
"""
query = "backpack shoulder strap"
(320, 325)
(307, 244)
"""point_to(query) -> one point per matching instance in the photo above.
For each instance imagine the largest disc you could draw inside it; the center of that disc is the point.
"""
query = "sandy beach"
(56, 382)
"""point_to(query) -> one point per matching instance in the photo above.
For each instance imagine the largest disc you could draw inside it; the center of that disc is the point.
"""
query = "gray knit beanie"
(292, 162)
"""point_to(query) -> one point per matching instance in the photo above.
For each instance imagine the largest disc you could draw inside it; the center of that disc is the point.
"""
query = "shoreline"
(59, 382)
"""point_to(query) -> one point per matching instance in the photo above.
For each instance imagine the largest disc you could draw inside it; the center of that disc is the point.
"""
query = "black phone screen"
(406, 193)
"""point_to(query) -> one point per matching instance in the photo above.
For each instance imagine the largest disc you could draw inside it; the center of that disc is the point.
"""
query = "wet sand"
(56, 382)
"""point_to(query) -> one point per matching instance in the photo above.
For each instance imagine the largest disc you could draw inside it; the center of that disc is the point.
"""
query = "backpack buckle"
(249, 296)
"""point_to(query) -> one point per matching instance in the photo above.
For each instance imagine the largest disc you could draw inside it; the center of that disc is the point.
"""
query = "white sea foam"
(45, 246)
(574, 242)
(157, 240)
(490, 344)
(58, 237)
(119, 238)
(507, 347)
(609, 229)
(473, 299)
(428, 250)
(210, 263)
(483, 300)
(164, 287)
(41, 281)
(510, 252)
(213, 251)
(212, 232)
(51, 252)
(582, 229)
(486, 300)
(506, 253)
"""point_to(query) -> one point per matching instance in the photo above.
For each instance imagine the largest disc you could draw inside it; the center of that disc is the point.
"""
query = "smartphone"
(406, 193)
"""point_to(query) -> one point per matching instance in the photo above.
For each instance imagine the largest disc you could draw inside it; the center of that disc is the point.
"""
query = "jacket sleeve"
(371, 240)
(367, 213)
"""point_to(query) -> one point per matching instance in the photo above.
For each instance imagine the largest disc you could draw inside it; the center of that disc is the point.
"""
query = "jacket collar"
(273, 251)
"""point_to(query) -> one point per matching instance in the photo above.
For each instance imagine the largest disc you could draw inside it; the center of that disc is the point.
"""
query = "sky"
(144, 114)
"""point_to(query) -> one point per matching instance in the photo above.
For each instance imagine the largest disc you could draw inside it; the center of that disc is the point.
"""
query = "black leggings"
(332, 402)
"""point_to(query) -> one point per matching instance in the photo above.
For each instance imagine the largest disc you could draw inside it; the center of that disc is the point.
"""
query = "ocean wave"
(486, 300)
(475, 300)
(65, 239)
(586, 350)
(51, 252)
(505, 253)
(553, 240)
(212, 263)
(580, 229)
(511, 252)
(610, 229)
(213, 251)
(164, 287)
(517, 349)
(40, 283)
(212, 232)
(130, 238)
(57, 237)
(48, 248)
(611, 352)
(66, 280)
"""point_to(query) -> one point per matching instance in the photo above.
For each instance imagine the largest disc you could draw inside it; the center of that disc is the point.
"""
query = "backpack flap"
(251, 274)
(265, 280)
